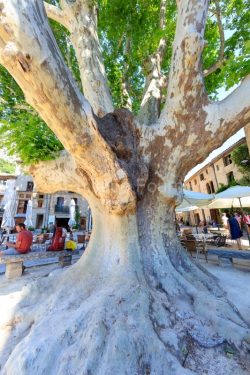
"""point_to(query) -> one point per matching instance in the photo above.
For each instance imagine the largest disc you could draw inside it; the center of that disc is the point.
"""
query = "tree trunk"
(135, 303)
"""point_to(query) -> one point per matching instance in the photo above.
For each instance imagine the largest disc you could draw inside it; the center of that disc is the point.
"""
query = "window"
(22, 206)
(208, 188)
(190, 185)
(217, 167)
(40, 201)
(227, 160)
(195, 182)
(212, 187)
(60, 201)
(30, 186)
(230, 177)
(202, 177)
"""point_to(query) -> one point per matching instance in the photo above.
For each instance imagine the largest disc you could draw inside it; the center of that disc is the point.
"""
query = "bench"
(227, 256)
(14, 263)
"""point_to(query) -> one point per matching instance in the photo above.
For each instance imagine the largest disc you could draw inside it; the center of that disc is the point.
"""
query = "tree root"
(121, 327)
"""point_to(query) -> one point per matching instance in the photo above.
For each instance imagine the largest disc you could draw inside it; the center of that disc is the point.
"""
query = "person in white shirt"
(224, 220)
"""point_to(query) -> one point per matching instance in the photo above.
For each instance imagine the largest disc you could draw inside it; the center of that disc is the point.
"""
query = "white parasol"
(72, 211)
(28, 221)
(193, 200)
(9, 203)
(235, 196)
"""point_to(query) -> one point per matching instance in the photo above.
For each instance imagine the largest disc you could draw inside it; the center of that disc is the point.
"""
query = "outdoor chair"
(42, 242)
(192, 245)
(81, 241)
(218, 240)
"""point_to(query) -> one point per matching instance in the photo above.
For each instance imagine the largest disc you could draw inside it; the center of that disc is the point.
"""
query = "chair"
(42, 242)
(81, 241)
(187, 231)
(191, 245)
(220, 241)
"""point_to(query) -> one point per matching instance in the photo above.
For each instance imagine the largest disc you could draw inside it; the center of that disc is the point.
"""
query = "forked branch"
(58, 15)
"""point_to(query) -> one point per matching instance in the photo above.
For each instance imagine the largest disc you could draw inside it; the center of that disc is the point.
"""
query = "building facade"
(220, 171)
(47, 208)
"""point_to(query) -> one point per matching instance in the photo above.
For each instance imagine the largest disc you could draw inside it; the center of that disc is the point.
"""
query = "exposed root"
(102, 326)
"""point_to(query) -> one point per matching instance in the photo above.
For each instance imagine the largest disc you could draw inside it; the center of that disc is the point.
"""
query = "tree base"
(120, 326)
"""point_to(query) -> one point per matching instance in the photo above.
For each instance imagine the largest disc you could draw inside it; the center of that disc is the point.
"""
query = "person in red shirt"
(23, 242)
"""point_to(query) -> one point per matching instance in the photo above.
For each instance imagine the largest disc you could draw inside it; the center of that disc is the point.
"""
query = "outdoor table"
(203, 236)
(218, 231)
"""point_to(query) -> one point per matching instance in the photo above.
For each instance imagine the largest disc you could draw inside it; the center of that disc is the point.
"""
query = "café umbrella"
(72, 212)
(235, 196)
(89, 220)
(9, 203)
(28, 221)
(192, 200)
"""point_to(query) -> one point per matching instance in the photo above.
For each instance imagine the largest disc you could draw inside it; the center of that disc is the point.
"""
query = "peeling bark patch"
(23, 63)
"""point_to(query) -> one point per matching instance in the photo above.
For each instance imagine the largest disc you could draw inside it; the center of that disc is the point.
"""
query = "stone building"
(220, 170)
(47, 208)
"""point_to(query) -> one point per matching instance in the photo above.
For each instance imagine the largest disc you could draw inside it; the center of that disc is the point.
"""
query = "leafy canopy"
(129, 32)
(241, 158)
(6, 167)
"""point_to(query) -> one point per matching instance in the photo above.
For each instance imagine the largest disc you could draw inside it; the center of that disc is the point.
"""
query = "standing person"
(23, 242)
(246, 222)
(238, 217)
(224, 220)
(234, 229)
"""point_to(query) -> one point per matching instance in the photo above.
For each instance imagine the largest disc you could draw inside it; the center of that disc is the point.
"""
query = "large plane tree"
(135, 303)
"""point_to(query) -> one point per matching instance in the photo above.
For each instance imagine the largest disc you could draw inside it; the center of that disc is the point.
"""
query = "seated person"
(23, 242)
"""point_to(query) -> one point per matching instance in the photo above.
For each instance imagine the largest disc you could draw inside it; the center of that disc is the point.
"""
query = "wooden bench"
(14, 263)
(226, 256)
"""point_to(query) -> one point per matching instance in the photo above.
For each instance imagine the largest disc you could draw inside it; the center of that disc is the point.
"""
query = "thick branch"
(80, 18)
(231, 114)
(220, 59)
(186, 88)
(155, 81)
(60, 174)
(216, 122)
(58, 15)
(32, 57)
(84, 37)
